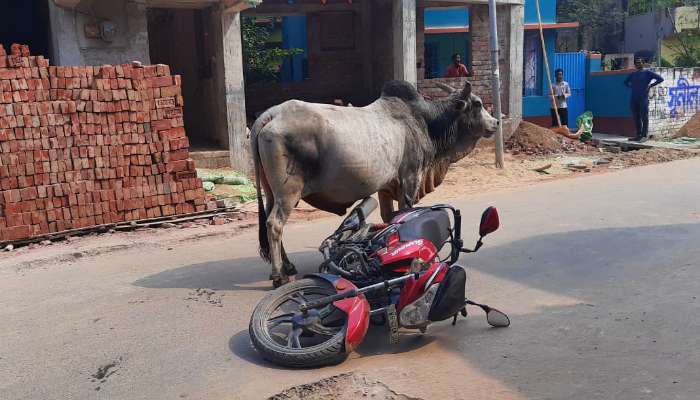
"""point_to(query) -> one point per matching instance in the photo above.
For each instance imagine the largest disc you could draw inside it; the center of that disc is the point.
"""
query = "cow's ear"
(461, 105)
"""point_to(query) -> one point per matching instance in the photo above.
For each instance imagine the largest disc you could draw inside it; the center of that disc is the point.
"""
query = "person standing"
(640, 82)
(456, 69)
(561, 92)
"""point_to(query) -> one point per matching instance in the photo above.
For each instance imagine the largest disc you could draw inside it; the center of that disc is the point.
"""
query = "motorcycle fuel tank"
(399, 255)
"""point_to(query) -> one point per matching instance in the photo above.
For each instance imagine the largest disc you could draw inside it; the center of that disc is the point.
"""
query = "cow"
(331, 156)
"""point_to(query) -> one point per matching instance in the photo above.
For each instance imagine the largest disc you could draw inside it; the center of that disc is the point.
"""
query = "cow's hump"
(401, 89)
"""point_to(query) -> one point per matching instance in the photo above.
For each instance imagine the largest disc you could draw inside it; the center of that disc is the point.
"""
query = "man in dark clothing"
(639, 81)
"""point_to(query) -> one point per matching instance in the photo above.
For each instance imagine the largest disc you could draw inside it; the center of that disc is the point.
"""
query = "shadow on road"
(568, 262)
(249, 273)
(376, 343)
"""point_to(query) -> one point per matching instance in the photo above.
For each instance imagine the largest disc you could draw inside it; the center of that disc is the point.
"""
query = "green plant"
(687, 49)
(687, 43)
(261, 62)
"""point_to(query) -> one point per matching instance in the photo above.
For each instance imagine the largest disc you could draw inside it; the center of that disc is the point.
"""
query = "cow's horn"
(445, 87)
(467, 91)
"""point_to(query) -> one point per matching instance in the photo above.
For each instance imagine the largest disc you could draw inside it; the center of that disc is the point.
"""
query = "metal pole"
(496, 82)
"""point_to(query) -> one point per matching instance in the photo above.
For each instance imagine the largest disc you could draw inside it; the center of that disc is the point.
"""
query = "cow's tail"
(265, 118)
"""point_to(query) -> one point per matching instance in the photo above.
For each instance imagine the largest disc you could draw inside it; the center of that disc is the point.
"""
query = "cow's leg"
(276, 220)
(386, 206)
(409, 191)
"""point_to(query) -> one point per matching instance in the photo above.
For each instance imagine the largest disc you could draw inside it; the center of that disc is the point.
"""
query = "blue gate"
(574, 66)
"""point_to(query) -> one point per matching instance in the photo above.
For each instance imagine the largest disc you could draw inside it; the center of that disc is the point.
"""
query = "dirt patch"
(651, 156)
(207, 296)
(105, 371)
(342, 387)
(691, 128)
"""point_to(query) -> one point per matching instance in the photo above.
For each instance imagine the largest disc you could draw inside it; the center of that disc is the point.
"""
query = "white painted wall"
(674, 101)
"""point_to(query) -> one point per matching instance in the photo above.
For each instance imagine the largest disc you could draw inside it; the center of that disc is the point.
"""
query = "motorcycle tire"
(329, 352)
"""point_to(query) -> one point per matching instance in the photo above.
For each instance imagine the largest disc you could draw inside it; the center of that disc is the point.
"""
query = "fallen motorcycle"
(389, 274)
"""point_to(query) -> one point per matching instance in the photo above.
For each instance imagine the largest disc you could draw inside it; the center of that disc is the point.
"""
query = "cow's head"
(473, 119)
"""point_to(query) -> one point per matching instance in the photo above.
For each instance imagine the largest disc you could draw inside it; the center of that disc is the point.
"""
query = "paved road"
(599, 274)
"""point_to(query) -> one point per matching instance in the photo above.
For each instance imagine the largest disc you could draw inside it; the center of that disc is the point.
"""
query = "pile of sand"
(691, 128)
(532, 139)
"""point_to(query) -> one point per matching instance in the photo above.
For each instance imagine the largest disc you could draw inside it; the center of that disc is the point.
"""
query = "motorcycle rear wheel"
(279, 339)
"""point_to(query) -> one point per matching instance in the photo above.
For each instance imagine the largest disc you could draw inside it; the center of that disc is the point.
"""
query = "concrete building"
(448, 31)
(351, 47)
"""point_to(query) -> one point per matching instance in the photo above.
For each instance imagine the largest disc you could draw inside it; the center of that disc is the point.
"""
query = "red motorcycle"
(390, 274)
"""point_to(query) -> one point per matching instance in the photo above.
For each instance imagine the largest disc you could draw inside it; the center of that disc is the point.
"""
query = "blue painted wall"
(535, 106)
(449, 17)
(294, 36)
(607, 96)
(446, 17)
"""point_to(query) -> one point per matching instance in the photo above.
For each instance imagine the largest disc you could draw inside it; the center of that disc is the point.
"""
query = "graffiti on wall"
(683, 98)
(676, 97)
(658, 98)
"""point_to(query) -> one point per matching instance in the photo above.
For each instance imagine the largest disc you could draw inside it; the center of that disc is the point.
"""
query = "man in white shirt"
(561, 92)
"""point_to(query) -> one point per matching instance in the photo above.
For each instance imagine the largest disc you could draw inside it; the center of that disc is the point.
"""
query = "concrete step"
(210, 158)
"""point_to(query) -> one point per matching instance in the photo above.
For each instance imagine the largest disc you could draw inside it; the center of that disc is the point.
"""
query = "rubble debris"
(349, 386)
(543, 169)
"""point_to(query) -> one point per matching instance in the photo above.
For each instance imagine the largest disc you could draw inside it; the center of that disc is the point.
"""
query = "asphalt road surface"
(599, 274)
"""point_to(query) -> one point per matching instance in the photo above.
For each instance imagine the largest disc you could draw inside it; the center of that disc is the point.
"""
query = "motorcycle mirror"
(497, 318)
(489, 221)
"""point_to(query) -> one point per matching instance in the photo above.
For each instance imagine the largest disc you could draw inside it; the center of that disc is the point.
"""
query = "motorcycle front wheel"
(285, 336)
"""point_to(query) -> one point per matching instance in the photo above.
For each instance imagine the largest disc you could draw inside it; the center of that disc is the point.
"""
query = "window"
(532, 65)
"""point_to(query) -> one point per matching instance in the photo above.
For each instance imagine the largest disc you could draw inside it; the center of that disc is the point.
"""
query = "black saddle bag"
(449, 299)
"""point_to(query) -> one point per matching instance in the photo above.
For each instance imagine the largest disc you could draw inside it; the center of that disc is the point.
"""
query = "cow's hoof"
(278, 281)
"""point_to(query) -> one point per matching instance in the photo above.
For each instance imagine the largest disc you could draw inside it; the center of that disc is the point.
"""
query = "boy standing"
(561, 92)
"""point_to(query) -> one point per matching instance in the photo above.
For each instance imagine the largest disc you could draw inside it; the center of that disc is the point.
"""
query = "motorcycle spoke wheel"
(280, 319)
(282, 329)
(288, 337)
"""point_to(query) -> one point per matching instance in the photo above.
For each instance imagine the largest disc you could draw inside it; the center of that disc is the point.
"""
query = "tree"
(602, 22)
(687, 44)
(261, 62)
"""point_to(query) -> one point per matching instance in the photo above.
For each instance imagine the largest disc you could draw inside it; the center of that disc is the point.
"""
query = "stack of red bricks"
(87, 146)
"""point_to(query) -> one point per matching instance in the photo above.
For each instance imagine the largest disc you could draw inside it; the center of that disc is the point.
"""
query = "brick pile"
(86, 146)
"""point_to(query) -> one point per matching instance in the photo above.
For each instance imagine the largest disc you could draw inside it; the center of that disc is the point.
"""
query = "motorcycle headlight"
(416, 313)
